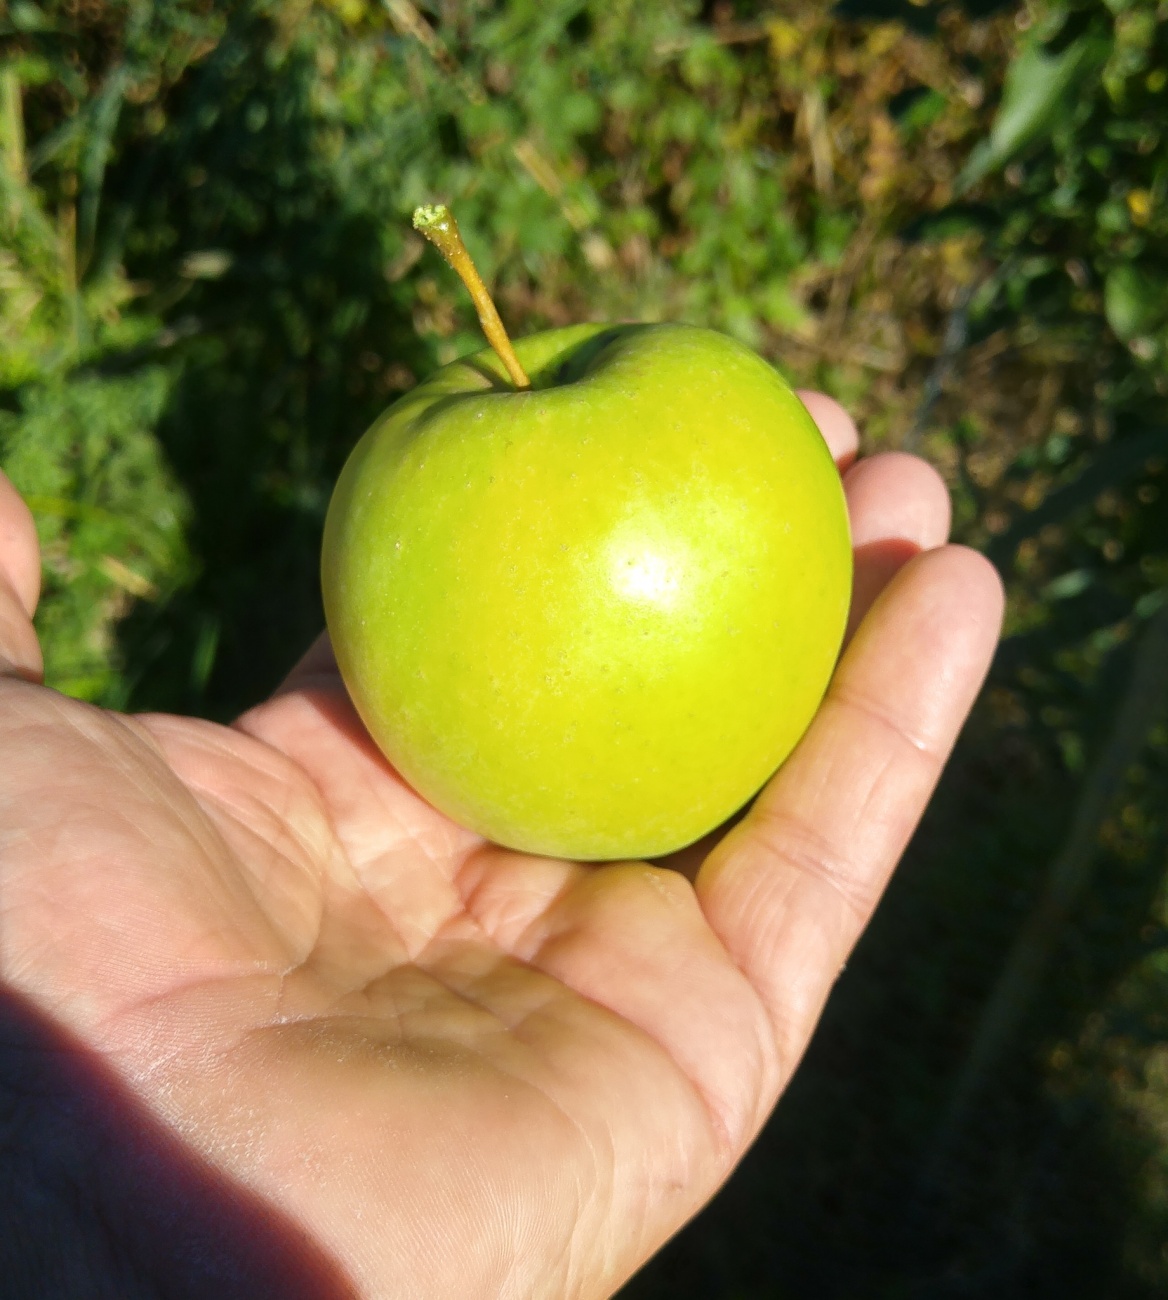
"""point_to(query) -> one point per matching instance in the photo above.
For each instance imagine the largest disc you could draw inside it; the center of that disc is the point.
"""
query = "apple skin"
(590, 619)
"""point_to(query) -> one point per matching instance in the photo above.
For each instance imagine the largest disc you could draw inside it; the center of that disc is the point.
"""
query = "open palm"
(462, 1071)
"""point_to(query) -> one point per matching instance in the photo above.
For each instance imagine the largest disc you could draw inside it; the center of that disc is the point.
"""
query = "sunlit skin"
(590, 618)
(465, 1072)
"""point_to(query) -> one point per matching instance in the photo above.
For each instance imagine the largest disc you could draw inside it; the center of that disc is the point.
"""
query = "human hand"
(459, 1071)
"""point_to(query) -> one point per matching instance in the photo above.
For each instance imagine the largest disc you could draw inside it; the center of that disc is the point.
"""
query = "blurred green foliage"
(953, 218)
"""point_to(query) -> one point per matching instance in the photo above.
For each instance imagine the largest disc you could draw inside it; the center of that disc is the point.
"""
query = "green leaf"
(1034, 93)
(26, 17)
(1068, 585)
(1134, 301)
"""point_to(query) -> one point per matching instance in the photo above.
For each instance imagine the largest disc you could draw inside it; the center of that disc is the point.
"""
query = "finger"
(836, 425)
(790, 888)
(20, 653)
(316, 669)
(20, 561)
(898, 506)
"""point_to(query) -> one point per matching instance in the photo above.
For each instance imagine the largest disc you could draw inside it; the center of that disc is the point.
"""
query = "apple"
(589, 616)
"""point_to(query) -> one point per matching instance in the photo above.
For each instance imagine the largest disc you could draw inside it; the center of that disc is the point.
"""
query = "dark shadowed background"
(953, 218)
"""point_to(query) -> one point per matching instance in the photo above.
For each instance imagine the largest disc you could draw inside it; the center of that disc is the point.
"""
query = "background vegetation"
(954, 218)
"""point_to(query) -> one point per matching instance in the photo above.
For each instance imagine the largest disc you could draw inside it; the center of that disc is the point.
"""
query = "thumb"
(20, 654)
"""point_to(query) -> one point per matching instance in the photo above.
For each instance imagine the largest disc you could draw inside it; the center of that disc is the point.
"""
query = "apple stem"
(438, 225)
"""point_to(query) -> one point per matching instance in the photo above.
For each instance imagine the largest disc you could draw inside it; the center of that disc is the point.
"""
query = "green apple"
(590, 618)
